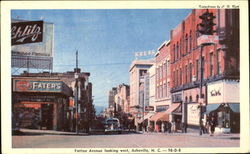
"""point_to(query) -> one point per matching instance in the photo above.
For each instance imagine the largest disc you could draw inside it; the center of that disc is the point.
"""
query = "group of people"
(208, 125)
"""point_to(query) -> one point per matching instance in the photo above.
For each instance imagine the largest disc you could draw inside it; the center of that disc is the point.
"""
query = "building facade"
(81, 90)
(138, 71)
(196, 70)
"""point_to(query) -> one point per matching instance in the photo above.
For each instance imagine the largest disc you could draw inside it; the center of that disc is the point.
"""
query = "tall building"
(162, 85)
(203, 78)
(138, 70)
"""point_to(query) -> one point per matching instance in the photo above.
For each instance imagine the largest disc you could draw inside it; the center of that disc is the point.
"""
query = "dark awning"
(235, 107)
(211, 107)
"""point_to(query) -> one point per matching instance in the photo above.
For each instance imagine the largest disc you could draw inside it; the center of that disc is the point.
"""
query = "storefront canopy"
(147, 116)
(235, 107)
(211, 107)
(173, 107)
(160, 116)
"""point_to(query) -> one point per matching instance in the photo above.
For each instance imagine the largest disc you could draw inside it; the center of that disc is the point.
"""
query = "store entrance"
(47, 116)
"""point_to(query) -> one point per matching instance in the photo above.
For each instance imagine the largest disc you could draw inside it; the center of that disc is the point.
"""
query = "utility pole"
(207, 38)
(76, 100)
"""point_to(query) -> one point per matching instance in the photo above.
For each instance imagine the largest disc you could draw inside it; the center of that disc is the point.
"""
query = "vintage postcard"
(125, 77)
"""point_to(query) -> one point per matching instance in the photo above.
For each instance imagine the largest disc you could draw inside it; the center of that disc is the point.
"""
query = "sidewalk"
(195, 133)
(46, 132)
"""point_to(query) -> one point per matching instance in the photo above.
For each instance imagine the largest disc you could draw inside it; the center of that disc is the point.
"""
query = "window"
(186, 43)
(211, 64)
(177, 50)
(168, 89)
(190, 41)
(180, 77)
(202, 68)
(180, 48)
(173, 78)
(186, 76)
(168, 67)
(190, 71)
(164, 90)
(218, 61)
(177, 77)
(164, 70)
(197, 69)
(174, 53)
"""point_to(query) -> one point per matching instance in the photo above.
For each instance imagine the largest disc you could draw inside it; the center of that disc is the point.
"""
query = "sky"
(106, 40)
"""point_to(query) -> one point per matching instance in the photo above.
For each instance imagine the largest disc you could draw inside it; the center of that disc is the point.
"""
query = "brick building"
(192, 67)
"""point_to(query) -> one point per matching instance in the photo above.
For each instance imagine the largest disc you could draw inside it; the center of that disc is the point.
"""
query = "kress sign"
(26, 32)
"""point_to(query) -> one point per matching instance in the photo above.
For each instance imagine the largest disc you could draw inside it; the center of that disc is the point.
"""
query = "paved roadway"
(144, 140)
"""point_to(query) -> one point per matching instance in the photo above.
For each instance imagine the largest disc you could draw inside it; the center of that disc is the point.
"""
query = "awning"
(173, 107)
(150, 114)
(211, 107)
(160, 116)
(235, 107)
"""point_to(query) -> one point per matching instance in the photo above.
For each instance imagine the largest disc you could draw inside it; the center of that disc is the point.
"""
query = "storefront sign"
(149, 108)
(26, 32)
(193, 115)
(207, 39)
(37, 86)
(177, 97)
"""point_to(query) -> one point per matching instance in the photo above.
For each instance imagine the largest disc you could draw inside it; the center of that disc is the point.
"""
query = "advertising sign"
(207, 39)
(193, 115)
(26, 32)
(30, 49)
(37, 86)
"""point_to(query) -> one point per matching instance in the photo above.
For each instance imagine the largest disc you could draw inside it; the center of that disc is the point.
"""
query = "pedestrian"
(173, 126)
(212, 124)
(169, 127)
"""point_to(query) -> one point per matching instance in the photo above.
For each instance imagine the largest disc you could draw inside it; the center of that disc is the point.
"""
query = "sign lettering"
(26, 32)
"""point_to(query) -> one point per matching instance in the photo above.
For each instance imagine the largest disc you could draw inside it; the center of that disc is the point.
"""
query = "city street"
(135, 140)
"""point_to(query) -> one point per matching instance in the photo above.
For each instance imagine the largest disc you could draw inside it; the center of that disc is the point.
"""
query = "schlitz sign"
(26, 32)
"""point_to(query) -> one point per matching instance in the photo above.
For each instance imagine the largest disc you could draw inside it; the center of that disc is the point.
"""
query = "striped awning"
(160, 116)
(147, 116)
(173, 107)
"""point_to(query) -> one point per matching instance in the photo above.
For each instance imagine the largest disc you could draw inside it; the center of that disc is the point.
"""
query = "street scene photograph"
(125, 78)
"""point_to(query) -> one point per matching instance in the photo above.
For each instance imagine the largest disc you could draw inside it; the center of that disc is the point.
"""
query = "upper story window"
(186, 43)
(174, 53)
(168, 67)
(197, 69)
(190, 41)
(186, 74)
(218, 62)
(180, 77)
(211, 64)
(177, 50)
(180, 48)
(190, 71)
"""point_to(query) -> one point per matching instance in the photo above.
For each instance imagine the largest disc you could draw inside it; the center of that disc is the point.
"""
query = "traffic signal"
(207, 23)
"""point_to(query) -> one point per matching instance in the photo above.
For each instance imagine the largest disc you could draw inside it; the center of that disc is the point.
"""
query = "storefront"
(224, 104)
(40, 103)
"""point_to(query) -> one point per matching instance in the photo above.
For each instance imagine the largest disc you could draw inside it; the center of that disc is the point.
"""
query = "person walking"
(212, 124)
